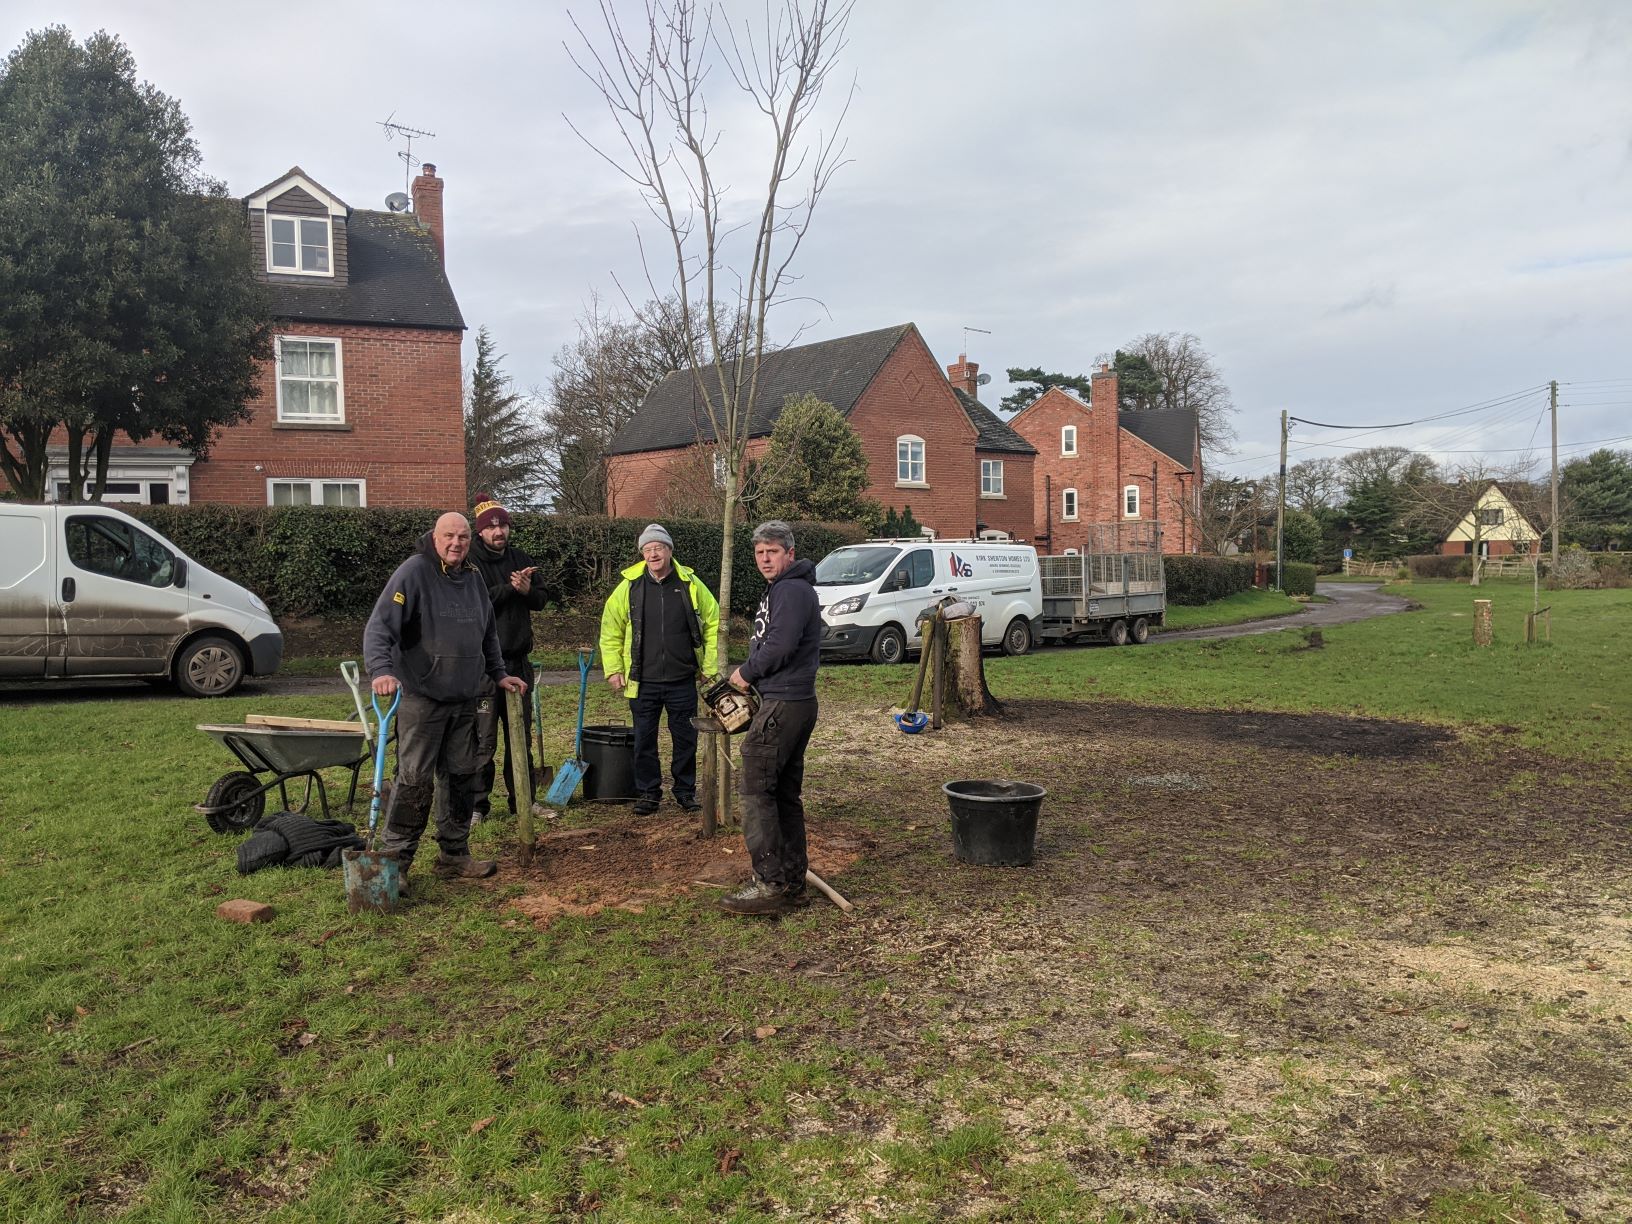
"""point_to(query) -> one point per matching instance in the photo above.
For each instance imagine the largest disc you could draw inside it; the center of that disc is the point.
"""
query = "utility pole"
(1552, 400)
(1280, 511)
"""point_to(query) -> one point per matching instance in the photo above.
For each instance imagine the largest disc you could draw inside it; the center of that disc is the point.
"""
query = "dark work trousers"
(773, 776)
(436, 740)
(493, 715)
(652, 698)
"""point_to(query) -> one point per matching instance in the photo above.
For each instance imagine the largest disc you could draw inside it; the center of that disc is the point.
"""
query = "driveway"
(1350, 603)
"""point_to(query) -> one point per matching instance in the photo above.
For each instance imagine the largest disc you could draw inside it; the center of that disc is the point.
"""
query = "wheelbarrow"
(268, 745)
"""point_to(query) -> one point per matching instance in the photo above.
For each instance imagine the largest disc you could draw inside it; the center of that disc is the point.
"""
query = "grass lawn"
(1252, 975)
(1232, 610)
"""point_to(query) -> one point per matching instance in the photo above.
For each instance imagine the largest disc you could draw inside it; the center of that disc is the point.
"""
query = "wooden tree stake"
(521, 777)
(1483, 634)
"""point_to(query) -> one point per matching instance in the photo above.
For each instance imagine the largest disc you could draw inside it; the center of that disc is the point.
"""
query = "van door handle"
(67, 590)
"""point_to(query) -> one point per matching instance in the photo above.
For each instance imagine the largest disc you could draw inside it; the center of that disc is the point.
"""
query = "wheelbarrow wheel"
(243, 792)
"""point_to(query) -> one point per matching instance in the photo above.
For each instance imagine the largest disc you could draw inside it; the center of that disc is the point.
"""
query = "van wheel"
(1117, 634)
(230, 788)
(209, 667)
(890, 646)
(1017, 637)
(1141, 631)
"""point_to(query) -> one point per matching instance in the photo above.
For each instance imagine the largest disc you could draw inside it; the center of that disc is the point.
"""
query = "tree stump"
(967, 665)
(1483, 634)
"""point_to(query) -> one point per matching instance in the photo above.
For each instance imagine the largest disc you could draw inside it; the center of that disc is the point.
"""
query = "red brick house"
(928, 446)
(1097, 465)
(362, 401)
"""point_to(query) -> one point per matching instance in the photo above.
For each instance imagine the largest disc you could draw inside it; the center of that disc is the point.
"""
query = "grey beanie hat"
(654, 534)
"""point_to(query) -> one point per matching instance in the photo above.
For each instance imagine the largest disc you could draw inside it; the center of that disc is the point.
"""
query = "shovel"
(374, 880)
(542, 773)
(348, 671)
(572, 770)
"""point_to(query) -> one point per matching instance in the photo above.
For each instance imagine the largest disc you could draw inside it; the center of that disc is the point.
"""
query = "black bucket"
(994, 824)
(610, 752)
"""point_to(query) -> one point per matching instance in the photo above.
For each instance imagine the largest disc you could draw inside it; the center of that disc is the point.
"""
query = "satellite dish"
(982, 379)
(398, 201)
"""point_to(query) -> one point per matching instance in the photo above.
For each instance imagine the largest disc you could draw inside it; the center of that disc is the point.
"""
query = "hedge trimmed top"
(332, 562)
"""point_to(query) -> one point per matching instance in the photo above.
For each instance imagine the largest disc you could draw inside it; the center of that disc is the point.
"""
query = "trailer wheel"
(890, 646)
(1140, 631)
(1117, 634)
(1017, 637)
(227, 789)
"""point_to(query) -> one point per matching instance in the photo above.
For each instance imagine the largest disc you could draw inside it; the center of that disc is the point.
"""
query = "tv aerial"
(966, 332)
(392, 130)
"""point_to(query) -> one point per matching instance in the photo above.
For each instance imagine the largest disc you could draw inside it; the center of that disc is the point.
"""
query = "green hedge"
(1193, 581)
(1298, 577)
(332, 562)
(1437, 565)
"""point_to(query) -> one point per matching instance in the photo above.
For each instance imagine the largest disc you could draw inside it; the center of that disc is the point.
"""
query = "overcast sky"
(1367, 212)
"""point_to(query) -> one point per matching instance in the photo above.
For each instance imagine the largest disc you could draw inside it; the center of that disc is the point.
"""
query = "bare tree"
(1314, 484)
(1230, 508)
(652, 80)
(1189, 379)
(599, 382)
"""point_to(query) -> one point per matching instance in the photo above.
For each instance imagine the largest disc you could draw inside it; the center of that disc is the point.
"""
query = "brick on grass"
(241, 910)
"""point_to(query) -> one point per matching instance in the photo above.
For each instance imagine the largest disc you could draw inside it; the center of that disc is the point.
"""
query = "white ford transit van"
(88, 591)
(871, 593)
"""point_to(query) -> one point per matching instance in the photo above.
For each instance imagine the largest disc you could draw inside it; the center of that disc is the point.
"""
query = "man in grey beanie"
(783, 654)
(659, 633)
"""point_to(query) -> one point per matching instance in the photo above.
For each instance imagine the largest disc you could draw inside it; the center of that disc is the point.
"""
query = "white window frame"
(1068, 431)
(909, 481)
(300, 269)
(339, 381)
(315, 484)
(991, 478)
(1068, 505)
(1130, 498)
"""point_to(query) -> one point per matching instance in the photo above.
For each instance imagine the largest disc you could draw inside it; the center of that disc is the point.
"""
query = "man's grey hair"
(774, 532)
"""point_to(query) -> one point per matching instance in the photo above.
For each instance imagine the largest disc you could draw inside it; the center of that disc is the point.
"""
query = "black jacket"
(512, 611)
(787, 639)
(432, 628)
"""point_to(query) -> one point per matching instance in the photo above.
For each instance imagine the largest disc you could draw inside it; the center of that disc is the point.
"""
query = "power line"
(1480, 407)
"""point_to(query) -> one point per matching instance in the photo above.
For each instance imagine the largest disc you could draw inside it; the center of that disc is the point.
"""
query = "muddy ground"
(1265, 966)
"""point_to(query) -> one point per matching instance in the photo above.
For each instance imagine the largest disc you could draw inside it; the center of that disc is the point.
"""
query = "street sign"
(1348, 554)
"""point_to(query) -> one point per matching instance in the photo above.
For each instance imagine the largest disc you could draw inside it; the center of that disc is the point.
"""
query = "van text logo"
(960, 567)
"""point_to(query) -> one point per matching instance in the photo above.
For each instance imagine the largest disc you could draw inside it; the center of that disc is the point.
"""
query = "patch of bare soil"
(624, 861)
(1265, 966)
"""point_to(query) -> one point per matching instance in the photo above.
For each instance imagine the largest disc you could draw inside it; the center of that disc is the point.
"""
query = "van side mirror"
(180, 579)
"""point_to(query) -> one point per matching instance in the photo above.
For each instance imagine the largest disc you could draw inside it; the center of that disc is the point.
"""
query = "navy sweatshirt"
(787, 639)
(433, 629)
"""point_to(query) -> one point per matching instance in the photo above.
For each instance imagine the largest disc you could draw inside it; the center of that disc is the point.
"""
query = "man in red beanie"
(510, 576)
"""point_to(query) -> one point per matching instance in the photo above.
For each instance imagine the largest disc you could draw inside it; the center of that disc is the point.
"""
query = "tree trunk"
(969, 692)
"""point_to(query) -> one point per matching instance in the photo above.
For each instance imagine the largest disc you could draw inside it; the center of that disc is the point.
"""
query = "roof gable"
(838, 371)
(297, 179)
(1514, 525)
(1169, 430)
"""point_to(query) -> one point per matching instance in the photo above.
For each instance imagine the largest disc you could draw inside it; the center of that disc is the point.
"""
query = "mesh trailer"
(1114, 591)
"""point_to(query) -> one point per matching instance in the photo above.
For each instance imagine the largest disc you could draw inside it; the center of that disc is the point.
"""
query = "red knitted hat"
(489, 512)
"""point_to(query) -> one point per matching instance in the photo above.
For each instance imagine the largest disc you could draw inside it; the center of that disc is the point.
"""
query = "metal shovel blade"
(566, 783)
(373, 880)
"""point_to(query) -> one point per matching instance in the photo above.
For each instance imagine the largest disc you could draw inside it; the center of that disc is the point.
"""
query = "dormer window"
(299, 246)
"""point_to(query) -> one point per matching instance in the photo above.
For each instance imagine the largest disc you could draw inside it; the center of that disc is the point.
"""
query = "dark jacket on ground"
(433, 629)
(512, 611)
(293, 839)
(786, 643)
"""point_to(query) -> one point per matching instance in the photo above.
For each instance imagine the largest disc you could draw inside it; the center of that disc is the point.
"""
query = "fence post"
(1482, 632)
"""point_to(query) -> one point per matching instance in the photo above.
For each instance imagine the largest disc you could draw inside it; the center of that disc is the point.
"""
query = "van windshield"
(852, 566)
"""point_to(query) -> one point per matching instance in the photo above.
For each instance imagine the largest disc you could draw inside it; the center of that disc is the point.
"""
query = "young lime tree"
(655, 76)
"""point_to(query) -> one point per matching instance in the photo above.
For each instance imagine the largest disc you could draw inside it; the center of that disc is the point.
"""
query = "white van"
(88, 591)
(871, 594)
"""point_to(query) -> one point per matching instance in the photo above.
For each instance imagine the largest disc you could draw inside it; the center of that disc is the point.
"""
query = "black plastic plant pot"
(994, 824)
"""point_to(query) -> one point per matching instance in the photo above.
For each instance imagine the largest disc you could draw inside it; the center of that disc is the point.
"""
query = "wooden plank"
(516, 730)
(302, 724)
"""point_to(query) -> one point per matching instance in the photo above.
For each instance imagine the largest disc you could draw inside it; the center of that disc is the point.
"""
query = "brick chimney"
(1104, 389)
(427, 192)
(961, 374)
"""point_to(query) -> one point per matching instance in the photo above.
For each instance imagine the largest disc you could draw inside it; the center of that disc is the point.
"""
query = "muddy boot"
(463, 867)
(757, 899)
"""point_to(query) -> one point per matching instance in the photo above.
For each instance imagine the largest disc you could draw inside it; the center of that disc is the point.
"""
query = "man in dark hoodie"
(432, 635)
(516, 594)
(782, 656)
